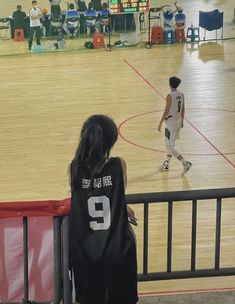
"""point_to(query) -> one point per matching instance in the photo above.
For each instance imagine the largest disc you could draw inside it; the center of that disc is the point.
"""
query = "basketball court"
(45, 98)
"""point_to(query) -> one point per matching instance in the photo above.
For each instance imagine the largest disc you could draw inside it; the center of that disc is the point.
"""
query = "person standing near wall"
(35, 14)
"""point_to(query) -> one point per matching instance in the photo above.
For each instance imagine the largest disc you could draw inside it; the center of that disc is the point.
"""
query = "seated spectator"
(104, 18)
(71, 24)
(19, 18)
(56, 22)
(105, 10)
(90, 19)
(91, 11)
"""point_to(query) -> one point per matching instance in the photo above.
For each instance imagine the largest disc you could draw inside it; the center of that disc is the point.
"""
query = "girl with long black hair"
(102, 243)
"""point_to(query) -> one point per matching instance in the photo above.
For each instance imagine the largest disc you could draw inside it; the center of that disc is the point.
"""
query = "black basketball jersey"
(99, 230)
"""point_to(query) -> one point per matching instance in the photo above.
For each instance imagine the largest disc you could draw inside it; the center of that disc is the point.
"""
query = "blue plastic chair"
(169, 36)
(193, 34)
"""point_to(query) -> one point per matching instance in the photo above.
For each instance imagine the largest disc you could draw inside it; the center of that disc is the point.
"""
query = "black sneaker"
(186, 167)
(164, 166)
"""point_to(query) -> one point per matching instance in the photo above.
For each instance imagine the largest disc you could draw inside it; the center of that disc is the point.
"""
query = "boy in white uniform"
(173, 116)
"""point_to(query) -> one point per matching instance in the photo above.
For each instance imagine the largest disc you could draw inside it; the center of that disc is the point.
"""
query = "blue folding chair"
(211, 21)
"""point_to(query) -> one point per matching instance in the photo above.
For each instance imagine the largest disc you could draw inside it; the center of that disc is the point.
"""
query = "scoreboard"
(128, 6)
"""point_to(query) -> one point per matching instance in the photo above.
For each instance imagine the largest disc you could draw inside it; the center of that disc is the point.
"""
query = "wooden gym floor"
(44, 99)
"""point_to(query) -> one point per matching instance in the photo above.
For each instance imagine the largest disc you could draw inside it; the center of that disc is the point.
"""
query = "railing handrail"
(188, 195)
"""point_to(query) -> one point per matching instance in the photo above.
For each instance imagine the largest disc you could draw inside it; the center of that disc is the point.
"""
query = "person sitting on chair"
(104, 18)
(90, 17)
(56, 21)
(71, 25)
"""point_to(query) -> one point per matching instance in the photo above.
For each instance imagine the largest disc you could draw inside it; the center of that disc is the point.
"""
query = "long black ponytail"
(89, 153)
(98, 135)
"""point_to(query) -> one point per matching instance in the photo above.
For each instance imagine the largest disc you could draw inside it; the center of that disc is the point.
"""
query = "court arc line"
(195, 128)
(121, 126)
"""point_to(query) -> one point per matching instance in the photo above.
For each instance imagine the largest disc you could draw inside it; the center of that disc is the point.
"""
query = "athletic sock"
(169, 158)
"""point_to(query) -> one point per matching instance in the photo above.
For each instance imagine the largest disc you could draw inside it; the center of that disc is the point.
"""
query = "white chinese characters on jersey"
(97, 182)
(86, 183)
(101, 182)
(107, 181)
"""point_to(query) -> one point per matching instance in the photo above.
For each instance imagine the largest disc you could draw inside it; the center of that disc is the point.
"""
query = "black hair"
(98, 135)
(90, 5)
(71, 6)
(174, 82)
(34, 1)
(105, 5)
(19, 7)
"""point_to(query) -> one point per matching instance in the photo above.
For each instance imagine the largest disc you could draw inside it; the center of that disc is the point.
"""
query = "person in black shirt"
(19, 18)
(81, 5)
(55, 6)
(97, 5)
(102, 243)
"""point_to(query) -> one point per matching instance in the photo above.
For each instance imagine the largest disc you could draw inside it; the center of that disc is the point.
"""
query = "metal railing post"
(194, 234)
(217, 234)
(26, 266)
(57, 259)
(67, 292)
(169, 237)
(145, 245)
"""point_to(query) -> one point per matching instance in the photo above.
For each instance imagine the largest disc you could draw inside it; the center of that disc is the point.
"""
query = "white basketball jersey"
(174, 116)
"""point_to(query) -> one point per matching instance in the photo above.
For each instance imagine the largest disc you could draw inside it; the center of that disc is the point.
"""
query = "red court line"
(173, 292)
(144, 79)
(123, 123)
(195, 128)
(222, 154)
